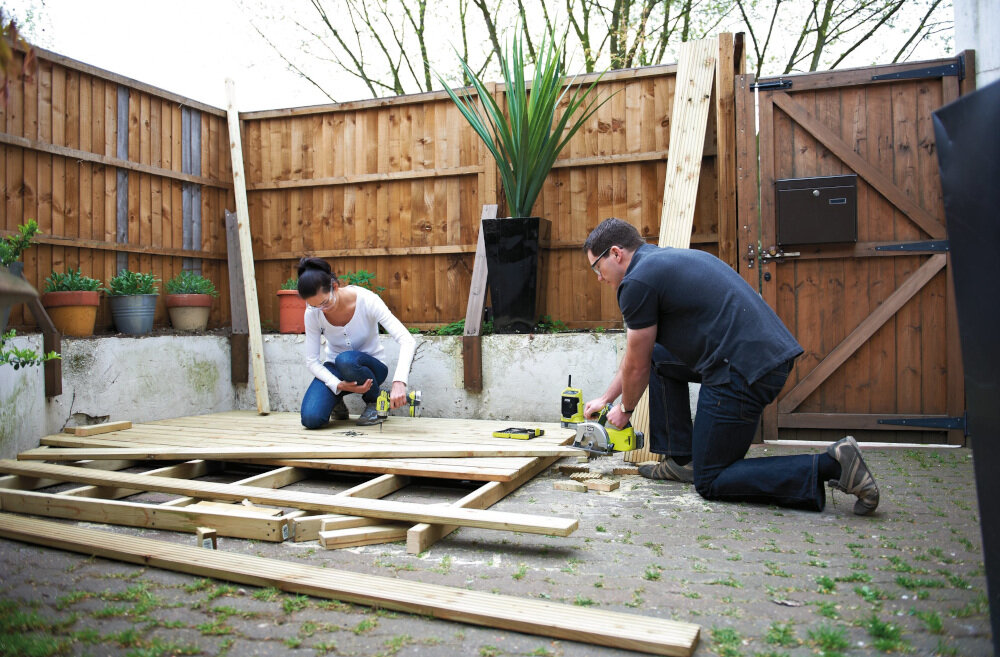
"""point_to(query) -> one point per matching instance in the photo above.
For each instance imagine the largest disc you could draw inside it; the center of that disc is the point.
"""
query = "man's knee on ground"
(703, 484)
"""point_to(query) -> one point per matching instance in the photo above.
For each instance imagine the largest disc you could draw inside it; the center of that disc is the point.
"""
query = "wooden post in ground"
(692, 99)
(246, 252)
(239, 339)
(472, 354)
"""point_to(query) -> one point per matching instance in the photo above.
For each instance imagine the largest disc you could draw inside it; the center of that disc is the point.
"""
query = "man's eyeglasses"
(593, 265)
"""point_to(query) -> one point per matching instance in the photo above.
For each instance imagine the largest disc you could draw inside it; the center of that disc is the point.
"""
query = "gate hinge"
(772, 84)
(956, 68)
(960, 422)
(932, 245)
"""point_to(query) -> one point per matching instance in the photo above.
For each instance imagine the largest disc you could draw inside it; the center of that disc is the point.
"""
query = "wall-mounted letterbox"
(817, 210)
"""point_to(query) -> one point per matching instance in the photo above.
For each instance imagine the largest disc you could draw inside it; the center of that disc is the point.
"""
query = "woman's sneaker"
(340, 410)
(855, 477)
(368, 416)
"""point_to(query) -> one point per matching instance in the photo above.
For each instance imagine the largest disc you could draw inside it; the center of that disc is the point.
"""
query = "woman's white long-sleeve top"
(360, 334)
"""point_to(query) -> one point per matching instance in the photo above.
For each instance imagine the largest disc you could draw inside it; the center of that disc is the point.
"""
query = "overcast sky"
(188, 47)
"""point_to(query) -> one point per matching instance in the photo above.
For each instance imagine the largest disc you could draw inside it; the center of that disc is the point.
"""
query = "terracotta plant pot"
(73, 313)
(291, 312)
(189, 312)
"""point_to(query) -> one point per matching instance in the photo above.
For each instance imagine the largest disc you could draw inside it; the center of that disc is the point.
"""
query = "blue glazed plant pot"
(133, 313)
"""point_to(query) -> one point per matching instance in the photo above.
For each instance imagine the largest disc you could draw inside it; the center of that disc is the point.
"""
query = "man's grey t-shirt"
(707, 316)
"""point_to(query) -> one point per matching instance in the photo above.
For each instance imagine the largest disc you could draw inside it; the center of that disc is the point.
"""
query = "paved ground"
(759, 580)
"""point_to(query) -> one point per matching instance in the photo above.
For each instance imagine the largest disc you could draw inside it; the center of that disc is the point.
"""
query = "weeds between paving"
(761, 581)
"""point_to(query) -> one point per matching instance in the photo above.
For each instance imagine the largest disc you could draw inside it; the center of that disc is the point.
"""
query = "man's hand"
(617, 418)
(593, 407)
(354, 386)
(397, 397)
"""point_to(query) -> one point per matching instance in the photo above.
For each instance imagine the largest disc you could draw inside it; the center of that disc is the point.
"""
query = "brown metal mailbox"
(817, 210)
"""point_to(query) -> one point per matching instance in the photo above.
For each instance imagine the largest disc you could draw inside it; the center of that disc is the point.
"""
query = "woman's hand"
(593, 407)
(354, 386)
(397, 397)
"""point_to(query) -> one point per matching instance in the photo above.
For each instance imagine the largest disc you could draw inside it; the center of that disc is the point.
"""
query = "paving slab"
(758, 579)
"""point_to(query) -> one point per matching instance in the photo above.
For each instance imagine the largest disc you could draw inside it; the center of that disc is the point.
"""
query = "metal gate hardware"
(956, 68)
(932, 245)
(776, 254)
(773, 84)
(932, 422)
(773, 253)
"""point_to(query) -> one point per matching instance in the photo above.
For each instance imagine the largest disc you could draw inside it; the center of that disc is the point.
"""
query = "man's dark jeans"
(724, 426)
(355, 366)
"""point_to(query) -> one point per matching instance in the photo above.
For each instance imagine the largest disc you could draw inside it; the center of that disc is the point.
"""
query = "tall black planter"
(516, 288)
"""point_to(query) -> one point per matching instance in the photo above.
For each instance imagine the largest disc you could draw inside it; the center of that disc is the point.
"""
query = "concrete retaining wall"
(152, 378)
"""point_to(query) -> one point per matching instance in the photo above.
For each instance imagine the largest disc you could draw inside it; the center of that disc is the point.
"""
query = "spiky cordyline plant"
(527, 140)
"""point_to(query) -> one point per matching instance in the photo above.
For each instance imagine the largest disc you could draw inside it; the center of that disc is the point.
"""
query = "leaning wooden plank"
(422, 536)
(236, 523)
(688, 124)
(246, 252)
(606, 628)
(342, 538)
(517, 522)
(95, 429)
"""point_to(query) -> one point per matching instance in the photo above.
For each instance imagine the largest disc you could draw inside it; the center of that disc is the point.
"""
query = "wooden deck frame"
(302, 525)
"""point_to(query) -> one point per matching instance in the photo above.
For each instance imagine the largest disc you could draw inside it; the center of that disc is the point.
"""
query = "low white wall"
(977, 24)
(152, 378)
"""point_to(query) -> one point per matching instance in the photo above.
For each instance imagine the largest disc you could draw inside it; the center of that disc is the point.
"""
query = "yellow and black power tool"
(383, 404)
(572, 405)
(599, 437)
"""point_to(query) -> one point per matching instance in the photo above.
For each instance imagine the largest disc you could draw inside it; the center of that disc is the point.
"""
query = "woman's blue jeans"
(720, 436)
(356, 366)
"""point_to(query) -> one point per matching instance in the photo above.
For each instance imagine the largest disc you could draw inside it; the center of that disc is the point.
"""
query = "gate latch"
(776, 254)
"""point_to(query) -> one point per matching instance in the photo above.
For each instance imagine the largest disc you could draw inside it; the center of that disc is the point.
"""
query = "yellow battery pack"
(518, 433)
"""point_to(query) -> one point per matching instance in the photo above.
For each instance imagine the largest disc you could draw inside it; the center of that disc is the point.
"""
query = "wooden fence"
(118, 173)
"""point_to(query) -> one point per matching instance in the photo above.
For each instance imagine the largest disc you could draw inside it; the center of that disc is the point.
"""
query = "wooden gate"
(875, 317)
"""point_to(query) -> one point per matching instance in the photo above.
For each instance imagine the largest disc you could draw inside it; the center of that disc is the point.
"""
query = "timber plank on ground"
(290, 451)
(308, 501)
(616, 629)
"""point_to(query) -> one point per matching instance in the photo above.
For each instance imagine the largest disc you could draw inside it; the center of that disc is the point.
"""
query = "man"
(690, 317)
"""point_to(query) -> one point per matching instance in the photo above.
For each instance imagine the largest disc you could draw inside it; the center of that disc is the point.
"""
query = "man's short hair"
(613, 232)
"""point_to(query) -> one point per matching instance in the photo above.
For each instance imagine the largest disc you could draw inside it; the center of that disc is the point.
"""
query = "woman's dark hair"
(315, 276)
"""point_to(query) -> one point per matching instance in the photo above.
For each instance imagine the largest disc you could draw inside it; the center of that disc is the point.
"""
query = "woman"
(353, 360)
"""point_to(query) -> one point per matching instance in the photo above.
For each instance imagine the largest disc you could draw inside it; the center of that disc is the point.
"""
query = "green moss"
(203, 375)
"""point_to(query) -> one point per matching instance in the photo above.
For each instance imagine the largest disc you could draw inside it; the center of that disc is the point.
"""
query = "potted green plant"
(189, 300)
(71, 299)
(291, 308)
(11, 248)
(133, 301)
(525, 142)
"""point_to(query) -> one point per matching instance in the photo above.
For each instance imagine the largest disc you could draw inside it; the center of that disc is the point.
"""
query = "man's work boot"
(340, 410)
(369, 416)
(668, 469)
(855, 477)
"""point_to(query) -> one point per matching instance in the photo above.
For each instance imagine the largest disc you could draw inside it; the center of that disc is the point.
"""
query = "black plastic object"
(817, 210)
(516, 288)
(968, 147)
